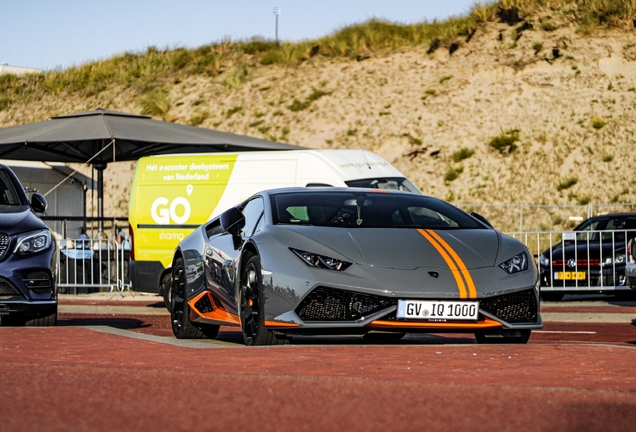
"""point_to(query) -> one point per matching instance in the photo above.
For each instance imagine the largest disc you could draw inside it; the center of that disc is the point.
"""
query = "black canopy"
(99, 137)
(89, 136)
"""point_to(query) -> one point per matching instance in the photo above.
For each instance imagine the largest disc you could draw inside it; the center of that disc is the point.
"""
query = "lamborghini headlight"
(33, 242)
(515, 264)
(321, 261)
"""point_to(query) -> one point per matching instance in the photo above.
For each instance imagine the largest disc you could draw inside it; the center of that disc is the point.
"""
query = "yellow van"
(172, 195)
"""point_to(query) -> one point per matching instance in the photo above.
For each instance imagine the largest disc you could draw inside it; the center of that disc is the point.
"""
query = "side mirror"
(482, 219)
(232, 221)
(38, 203)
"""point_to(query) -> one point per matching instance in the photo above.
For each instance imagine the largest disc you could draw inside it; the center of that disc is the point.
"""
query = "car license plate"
(569, 275)
(438, 310)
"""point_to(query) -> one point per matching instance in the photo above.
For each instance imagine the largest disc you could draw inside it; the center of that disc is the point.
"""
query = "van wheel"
(182, 327)
(166, 289)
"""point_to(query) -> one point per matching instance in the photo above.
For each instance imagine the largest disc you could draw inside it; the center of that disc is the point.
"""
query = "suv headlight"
(321, 261)
(33, 242)
(515, 264)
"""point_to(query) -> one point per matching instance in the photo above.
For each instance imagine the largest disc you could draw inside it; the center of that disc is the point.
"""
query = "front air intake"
(517, 307)
(329, 304)
(8, 289)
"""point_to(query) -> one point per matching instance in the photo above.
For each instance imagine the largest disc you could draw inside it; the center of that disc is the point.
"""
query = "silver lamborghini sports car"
(346, 261)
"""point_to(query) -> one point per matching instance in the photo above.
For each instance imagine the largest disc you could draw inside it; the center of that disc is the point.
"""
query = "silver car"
(306, 261)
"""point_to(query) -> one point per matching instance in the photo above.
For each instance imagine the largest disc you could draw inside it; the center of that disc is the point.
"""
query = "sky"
(57, 34)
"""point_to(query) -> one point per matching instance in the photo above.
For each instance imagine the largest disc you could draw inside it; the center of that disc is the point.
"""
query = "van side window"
(252, 212)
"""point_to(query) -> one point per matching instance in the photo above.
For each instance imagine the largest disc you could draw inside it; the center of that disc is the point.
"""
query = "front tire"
(503, 337)
(45, 318)
(253, 305)
(182, 327)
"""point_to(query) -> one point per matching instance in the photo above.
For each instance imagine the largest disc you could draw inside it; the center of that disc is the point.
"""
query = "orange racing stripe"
(449, 261)
(472, 292)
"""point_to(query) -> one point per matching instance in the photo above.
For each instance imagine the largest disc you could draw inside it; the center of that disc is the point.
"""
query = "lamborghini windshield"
(368, 210)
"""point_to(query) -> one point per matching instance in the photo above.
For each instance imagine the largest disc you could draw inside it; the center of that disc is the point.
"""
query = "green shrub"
(598, 122)
(537, 47)
(566, 182)
(233, 111)
(505, 141)
(453, 173)
(298, 105)
(445, 78)
(198, 117)
(234, 76)
(548, 25)
(607, 157)
(462, 153)
(155, 103)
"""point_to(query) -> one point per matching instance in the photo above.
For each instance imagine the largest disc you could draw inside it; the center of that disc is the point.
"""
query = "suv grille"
(518, 307)
(7, 288)
(329, 304)
(4, 244)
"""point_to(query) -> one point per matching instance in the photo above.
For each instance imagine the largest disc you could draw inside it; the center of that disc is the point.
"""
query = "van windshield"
(368, 210)
(8, 194)
(388, 183)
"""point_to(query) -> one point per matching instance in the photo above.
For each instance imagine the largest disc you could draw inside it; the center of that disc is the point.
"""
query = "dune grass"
(227, 61)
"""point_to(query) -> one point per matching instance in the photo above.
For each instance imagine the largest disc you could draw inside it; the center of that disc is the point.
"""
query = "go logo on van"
(162, 210)
(178, 210)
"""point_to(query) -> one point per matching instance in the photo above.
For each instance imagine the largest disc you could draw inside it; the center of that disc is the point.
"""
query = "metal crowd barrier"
(92, 265)
(594, 261)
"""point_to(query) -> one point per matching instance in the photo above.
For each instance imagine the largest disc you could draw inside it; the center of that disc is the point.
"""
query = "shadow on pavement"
(120, 323)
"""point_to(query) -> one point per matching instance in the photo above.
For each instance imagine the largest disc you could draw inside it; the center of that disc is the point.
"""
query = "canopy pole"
(100, 167)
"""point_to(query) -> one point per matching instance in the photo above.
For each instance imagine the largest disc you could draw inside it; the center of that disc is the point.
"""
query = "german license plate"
(437, 310)
(569, 275)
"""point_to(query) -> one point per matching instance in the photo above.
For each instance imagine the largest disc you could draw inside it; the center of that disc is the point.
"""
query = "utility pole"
(276, 12)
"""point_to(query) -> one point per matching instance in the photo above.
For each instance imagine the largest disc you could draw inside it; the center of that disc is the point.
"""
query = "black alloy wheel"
(252, 307)
(182, 327)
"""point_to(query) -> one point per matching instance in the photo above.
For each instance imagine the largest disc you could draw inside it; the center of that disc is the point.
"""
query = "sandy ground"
(417, 110)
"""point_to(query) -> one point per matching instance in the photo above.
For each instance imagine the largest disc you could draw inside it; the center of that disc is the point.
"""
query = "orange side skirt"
(280, 324)
(217, 314)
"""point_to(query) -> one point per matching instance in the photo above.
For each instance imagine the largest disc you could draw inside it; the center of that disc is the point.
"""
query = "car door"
(223, 252)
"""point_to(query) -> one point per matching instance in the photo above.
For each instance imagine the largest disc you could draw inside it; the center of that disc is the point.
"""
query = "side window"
(252, 212)
(8, 195)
